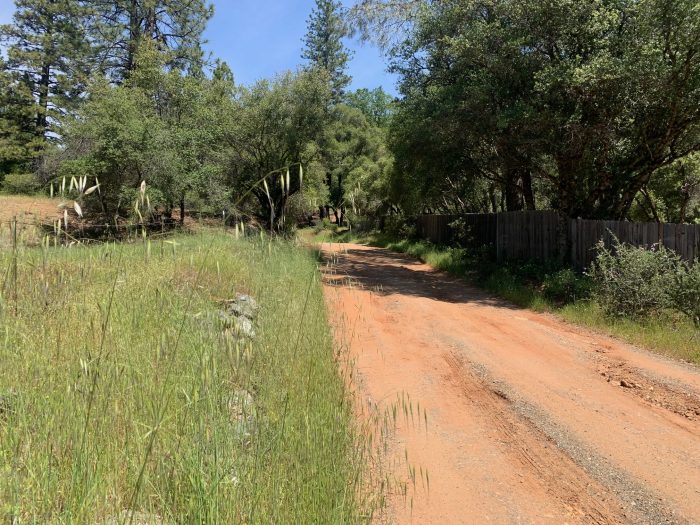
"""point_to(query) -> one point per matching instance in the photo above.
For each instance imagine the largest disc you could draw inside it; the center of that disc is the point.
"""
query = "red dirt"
(529, 420)
(28, 209)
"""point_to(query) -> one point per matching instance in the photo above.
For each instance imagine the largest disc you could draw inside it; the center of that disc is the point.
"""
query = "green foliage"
(326, 225)
(121, 27)
(634, 282)
(396, 227)
(354, 162)
(375, 104)
(271, 127)
(672, 194)
(159, 127)
(48, 50)
(566, 286)
(384, 22)
(323, 45)
(572, 104)
(685, 293)
(139, 388)
(21, 184)
(114, 141)
(18, 141)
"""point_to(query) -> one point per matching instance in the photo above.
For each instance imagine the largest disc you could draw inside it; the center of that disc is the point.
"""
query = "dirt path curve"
(529, 420)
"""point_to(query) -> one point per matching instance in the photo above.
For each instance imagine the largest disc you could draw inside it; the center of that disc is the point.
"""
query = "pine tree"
(48, 50)
(121, 26)
(17, 123)
(323, 45)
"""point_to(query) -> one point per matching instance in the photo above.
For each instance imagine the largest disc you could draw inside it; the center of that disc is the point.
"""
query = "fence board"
(535, 235)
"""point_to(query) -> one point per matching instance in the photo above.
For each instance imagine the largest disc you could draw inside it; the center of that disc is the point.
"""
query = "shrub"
(362, 223)
(566, 286)
(399, 227)
(685, 294)
(535, 271)
(21, 183)
(634, 282)
(298, 211)
(324, 224)
(462, 234)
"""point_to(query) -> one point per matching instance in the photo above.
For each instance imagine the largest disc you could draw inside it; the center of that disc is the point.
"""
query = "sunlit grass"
(118, 387)
(671, 335)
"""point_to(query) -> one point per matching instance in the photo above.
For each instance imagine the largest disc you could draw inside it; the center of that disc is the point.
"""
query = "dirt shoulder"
(509, 416)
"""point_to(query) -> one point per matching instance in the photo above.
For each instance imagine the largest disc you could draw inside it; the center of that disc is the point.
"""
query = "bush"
(634, 282)
(298, 211)
(462, 234)
(685, 294)
(535, 271)
(325, 224)
(399, 227)
(362, 223)
(21, 183)
(566, 286)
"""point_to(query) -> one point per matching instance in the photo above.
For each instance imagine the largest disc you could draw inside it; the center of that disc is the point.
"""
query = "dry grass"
(28, 212)
(28, 209)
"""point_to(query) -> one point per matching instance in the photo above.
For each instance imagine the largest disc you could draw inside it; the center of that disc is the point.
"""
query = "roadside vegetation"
(121, 387)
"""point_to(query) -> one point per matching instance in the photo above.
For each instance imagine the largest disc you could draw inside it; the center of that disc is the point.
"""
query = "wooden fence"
(538, 235)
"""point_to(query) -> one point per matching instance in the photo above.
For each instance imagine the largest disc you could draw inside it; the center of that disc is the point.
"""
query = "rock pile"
(238, 316)
(241, 407)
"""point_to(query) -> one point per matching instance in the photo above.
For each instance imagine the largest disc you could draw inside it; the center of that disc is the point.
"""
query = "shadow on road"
(387, 272)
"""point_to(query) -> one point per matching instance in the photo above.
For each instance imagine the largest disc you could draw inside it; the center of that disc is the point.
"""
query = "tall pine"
(119, 27)
(18, 139)
(48, 51)
(323, 45)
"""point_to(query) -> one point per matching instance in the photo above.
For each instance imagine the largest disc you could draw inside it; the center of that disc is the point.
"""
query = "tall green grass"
(119, 388)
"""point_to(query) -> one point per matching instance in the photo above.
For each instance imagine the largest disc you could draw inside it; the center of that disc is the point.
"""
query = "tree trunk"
(134, 36)
(341, 220)
(280, 208)
(528, 194)
(685, 195)
(151, 29)
(182, 210)
(512, 191)
(652, 206)
(42, 113)
(565, 198)
(682, 216)
(492, 198)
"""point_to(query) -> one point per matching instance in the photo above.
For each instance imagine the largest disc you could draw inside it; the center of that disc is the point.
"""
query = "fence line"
(542, 235)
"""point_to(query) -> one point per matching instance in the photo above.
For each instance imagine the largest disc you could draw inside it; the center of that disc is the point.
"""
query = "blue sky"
(259, 38)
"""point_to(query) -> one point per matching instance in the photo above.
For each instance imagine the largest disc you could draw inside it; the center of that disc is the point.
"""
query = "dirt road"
(509, 416)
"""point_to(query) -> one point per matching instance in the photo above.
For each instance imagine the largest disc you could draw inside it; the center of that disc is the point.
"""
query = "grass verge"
(120, 389)
(670, 335)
